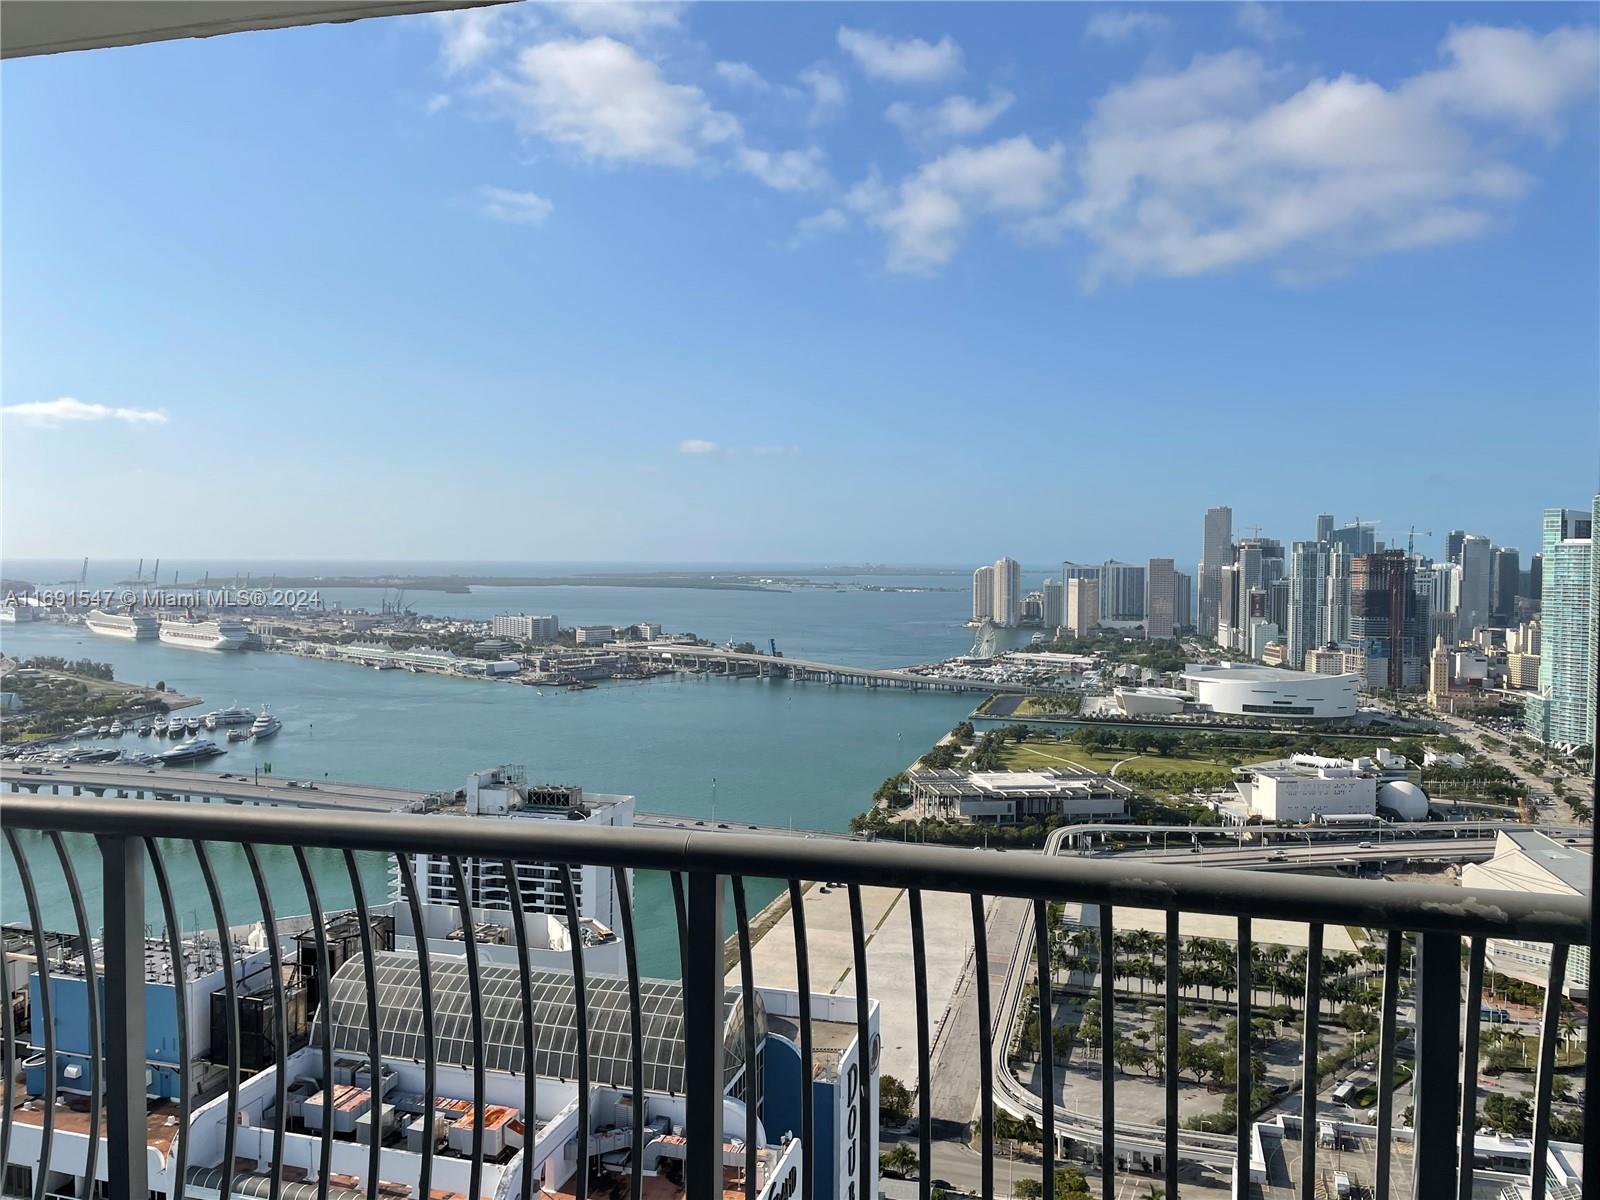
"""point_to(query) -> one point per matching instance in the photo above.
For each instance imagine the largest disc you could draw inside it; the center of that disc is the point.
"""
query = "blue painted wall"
(69, 1017)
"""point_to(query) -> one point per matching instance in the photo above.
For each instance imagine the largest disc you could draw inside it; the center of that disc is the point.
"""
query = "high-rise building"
(1072, 570)
(1337, 625)
(1324, 527)
(1452, 545)
(983, 594)
(1121, 591)
(1228, 617)
(1387, 623)
(1055, 603)
(1535, 586)
(520, 627)
(1216, 553)
(1007, 593)
(1440, 584)
(1477, 585)
(1161, 618)
(1355, 538)
(1308, 589)
(1505, 581)
(1564, 708)
(1083, 605)
(1182, 600)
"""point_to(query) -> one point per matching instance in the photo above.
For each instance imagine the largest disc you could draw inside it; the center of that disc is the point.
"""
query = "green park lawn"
(1034, 755)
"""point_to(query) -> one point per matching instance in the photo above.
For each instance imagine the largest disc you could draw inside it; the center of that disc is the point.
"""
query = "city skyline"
(820, 253)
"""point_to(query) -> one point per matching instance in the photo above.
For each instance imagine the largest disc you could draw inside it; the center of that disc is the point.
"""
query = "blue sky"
(777, 282)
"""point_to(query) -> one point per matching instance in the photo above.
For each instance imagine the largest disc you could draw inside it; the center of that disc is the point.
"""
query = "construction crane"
(1411, 538)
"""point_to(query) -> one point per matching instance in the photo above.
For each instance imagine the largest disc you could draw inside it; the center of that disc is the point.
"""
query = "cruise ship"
(224, 633)
(132, 626)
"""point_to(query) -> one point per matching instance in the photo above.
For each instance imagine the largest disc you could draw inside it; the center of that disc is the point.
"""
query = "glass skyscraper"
(1564, 709)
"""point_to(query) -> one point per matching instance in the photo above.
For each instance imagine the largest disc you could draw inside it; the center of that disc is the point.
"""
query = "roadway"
(183, 784)
(892, 676)
(1211, 1149)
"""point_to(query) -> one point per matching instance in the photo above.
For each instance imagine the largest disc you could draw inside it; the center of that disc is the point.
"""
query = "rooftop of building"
(1568, 865)
(554, 999)
(1252, 672)
(1050, 781)
(1315, 766)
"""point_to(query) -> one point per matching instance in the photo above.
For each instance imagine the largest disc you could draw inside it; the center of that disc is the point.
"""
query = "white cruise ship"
(225, 633)
(132, 626)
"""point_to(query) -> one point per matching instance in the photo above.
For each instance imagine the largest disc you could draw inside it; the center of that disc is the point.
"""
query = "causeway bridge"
(719, 660)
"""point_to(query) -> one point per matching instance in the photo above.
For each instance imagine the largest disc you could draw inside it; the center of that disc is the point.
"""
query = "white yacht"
(223, 633)
(229, 716)
(190, 751)
(134, 626)
(265, 726)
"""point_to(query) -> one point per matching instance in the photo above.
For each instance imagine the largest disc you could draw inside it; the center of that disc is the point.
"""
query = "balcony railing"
(703, 866)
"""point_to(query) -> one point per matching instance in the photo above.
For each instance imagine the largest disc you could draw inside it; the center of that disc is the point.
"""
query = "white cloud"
(1012, 179)
(954, 117)
(808, 229)
(1121, 24)
(607, 101)
(437, 103)
(625, 19)
(788, 171)
(705, 449)
(53, 413)
(911, 61)
(469, 35)
(828, 93)
(741, 75)
(1223, 162)
(514, 208)
(1264, 22)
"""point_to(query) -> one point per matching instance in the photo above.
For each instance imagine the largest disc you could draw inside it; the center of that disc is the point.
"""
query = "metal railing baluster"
(980, 958)
(1393, 947)
(1549, 1031)
(46, 1013)
(802, 975)
(430, 1066)
(1173, 965)
(230, 986)
(580, 996)
(475, 996)
(8, 1061)
(1244, 1063)
(619, 879)
(1473, 1013)
(122, 895)
(1310, 1046)
(1108, 1052)
(319, 935)
(180, 980)
(92, 1000)
(280, 1024)
(919, 971)
(703, 1016)
(680, 909)
(530, 1030)
(1433, 1121)
(1047, 1057)
(866, 1166)
(747, 993)
(369, 972)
